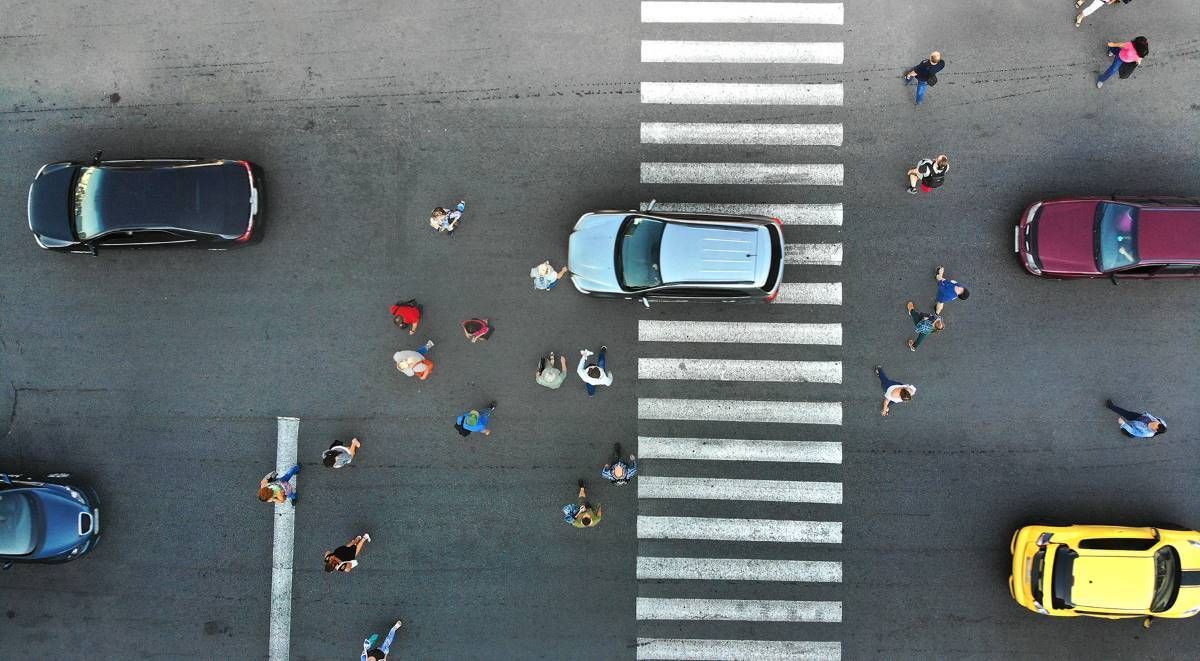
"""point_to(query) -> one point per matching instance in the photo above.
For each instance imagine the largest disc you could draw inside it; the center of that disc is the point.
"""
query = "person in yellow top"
(582, 514)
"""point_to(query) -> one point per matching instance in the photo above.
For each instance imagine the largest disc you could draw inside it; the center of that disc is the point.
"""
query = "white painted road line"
(717, 488)
(793, 174)
(683, 133)
(813, 254)
(738, 610)
(279, 649)
(697, 649)
(706, 369)
(738, 332)
(736, 449)
(742, 52)
(738, 569)
(739, 530)
(819, 13)
(721, 410)
(810, 293)
(758, 94)
(790, 214)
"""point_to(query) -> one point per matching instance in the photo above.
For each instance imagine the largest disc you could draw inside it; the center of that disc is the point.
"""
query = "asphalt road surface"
(159, 376)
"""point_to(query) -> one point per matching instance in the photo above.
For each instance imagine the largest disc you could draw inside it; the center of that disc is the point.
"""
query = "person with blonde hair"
(415, 363)
(925, 74)
(929, 174)
(545, 277)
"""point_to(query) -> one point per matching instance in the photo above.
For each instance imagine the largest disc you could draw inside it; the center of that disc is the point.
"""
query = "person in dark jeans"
(617, 471)
(1137, 425)
(925, 74)
(1124, 53)
(894, 392)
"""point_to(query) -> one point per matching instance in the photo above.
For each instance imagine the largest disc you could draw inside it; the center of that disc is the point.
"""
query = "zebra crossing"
(767, 469)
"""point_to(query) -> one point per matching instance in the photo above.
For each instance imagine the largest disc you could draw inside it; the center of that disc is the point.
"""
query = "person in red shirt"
(407, 315)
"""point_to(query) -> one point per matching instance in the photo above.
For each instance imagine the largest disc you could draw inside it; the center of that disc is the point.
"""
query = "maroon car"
(1118, 237)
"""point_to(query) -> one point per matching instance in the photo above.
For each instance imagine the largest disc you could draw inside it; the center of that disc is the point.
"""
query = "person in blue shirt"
(1137, 425)
(617, 471)
(372, 653)
(475, 421)
(948, 290)
(925, 74)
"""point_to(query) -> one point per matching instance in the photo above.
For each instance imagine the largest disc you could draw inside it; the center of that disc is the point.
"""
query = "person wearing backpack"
(929, 174)
(925, 74)
(1126, 57)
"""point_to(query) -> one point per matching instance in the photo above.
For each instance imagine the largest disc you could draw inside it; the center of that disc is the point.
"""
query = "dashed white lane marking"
(793, 174)
(736, 449)
(739, 610)
(279, 646)
(698, 649)
(743, 52)
(760, 94)
(820, 13)
(722, 410)
(813, 254)
(784, 531)
(790, 214)
(705, 369)
(717, 488)
(739, 332)
(701, 133)
(738, 569)
(810, 293)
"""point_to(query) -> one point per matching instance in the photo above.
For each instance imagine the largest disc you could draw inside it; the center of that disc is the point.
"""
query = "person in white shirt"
(594, 374)
(894, 392)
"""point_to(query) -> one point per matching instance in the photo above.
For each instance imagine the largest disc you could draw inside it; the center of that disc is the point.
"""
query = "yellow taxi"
(1106, 571)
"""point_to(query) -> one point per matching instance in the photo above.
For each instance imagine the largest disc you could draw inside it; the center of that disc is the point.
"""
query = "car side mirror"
(96, 157)
(92, 249)
(646, 302)
(7, 565)
(1113, 277)
(5, 478)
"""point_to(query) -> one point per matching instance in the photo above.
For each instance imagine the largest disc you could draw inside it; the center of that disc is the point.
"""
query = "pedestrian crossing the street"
(740, 484)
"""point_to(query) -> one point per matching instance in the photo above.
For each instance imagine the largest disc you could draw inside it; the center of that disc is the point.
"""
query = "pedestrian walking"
(339, 455)
(581, 513)
(929, 174)
(947, 290)
(894, 392)
(549, 374)
(407, 315)
(545, 277)
(1092, 6)
(594, 374)
(477, 330)
(372, 653)
(617, 471)
(446, 220)
(924, 323)
(415, 363)
(345, 557)
(474, 420)
(276, 488)
(1126, 57)
(925, 74)
(1137, 425)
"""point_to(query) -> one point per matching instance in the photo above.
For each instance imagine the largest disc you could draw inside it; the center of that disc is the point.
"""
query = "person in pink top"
(1125, 55)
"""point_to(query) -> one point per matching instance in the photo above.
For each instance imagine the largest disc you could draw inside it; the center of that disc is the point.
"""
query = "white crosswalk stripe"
(702, 649)
(827, 13)
(729, 410)
(738, 569)
(701, 369)
(784, 531)
(810, 293)
(755, 94)
(813, 254)
(736, 449)
(794, 174)
(790, 214)
(740, 332)
(740, 610)
(714, 488)
(742, 52)
(714, 133)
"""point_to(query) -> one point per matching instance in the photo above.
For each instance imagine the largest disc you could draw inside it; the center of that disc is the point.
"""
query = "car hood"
(60, 516)
(591, 252)
(50, 205)
(1066, 237)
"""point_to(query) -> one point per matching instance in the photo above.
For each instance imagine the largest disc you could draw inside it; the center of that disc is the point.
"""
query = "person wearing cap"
(550, 375)
(545, 277)
(617, 472)
(475, 421)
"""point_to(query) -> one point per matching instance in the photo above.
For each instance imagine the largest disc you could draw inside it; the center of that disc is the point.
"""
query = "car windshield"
(1036, 574)
(1064, 577)
(638, 259)
(1166, 579)
(1116, 232)
(16, 524)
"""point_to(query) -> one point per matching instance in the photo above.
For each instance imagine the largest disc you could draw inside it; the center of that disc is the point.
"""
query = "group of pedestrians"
(583, 513)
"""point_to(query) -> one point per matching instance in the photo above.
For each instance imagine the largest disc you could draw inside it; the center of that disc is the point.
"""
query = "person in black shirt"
(345, 558)
(925, 74)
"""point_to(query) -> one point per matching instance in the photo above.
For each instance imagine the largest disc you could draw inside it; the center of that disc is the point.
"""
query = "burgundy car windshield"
(1116, 236)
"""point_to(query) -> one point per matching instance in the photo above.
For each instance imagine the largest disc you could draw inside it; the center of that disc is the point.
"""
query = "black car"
(205, 203)
(48, 520)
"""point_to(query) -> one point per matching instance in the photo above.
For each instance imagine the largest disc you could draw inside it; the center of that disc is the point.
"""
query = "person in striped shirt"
(617, 471)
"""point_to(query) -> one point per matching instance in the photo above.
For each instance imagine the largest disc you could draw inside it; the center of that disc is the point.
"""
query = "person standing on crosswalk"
(582, 514)
(618, 472)
(948, 290)
(594, 374)
(924, 323)
(894, 392)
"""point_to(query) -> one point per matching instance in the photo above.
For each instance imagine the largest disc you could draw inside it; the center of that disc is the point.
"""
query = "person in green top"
(550, 376)
(582, 514)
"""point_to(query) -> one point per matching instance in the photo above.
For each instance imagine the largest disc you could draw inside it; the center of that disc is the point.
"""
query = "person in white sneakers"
(372, 653)
(594, 374)
(345, 557)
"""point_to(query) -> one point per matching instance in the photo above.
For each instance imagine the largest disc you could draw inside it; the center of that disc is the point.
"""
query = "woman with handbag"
(1126, 56)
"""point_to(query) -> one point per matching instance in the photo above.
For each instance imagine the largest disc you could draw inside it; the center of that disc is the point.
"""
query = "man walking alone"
(1137, 425)
(925, 74)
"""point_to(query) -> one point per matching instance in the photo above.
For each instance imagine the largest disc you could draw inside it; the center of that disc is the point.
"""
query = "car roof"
(706, 253)
(1167, 234)
(1104, 580)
